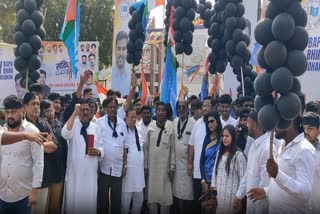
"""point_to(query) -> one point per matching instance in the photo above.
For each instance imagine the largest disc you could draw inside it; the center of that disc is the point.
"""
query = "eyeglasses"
(211, 121)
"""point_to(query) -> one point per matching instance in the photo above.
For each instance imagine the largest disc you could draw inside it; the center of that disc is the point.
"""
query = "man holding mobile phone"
(82, 164)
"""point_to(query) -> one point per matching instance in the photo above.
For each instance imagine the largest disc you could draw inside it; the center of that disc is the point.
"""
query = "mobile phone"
(90, 142)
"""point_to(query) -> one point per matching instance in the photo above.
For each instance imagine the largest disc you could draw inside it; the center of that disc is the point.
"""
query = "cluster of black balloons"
(283, 39)
(204, 8)
(184, 14)
(136, 36)
(249, 77)
(28, 36)
(167, 22)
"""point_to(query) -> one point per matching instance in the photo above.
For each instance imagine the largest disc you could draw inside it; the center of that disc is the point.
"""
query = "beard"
(13, 124)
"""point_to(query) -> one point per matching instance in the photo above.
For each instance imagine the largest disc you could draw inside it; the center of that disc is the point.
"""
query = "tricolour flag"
(102, 92)
(70, 33)
(142, 6)
(192, 72)
(204, 86)
(169, 83)
(145, 93)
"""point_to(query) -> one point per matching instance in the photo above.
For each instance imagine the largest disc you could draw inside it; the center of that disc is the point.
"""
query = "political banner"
(310, 79)
(9, 81)
(55, 75)
(56, 68)
(121, 72)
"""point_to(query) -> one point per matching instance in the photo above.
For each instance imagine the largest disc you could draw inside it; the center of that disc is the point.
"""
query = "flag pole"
(27, 79)
(242, 82)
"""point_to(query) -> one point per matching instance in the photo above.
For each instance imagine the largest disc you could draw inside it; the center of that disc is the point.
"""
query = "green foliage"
(96, 23)
(7, 21)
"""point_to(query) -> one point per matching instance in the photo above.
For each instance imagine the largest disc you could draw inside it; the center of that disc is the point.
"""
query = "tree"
(7, 21)
(96, 23)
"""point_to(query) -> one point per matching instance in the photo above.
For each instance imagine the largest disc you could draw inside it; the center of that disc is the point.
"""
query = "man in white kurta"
(160, 161)
(256, 174)
(182, 185)
(194, 151)
(133, 182)
(291, 174)
(80, 196)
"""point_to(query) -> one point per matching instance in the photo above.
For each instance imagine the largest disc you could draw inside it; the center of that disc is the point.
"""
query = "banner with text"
(55, 74)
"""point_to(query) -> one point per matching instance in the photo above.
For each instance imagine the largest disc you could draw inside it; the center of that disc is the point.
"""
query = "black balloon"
(177, 36)
(237, 35)
(131, 24)
(130, 58)
(260, 58)
(240, 10)
(28, 27)
(215, 45)
(282, 80)
(179, 12)
(30, 5)
(37, 17)
(187, 37)
(283, 27)
(25, 50)
(284, 124)
(20, 63)
(241, 23)
(275, 54)
(179, 48)
(220, 66)
(133, 35)
(262, 84)
(231, 48)
(188, 49)
(268, 117)
(241, 48)
(231, 23)
(185, 24)
(130, 46)
(230, 9)
(236, 61)
(262, 32)
(186, 3)
(22, 15)
(296, 86)
(35, 75)
(138, 43)
(297, 62)
(34, 62)
(300, 39)
(201, 8)
(19, 37)
(191, 14)
(289, 106)
(35, 41)
(298, 13)
(272, 11)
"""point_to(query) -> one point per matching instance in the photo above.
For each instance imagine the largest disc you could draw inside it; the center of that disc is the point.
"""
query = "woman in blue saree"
(210, 149)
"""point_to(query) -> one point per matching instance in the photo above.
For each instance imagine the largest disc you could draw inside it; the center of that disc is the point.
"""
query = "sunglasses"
(211, 121)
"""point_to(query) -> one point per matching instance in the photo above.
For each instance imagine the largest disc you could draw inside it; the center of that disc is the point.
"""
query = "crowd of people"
(65, 154)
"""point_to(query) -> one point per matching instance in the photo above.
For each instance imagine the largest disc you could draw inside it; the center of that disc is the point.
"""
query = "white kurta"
(159, 161)
(81, 186)
(134, 179)
(196, 140)
(315, 195)
(227, 185)
(256, 174)
(182, 185)
(290, 191)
